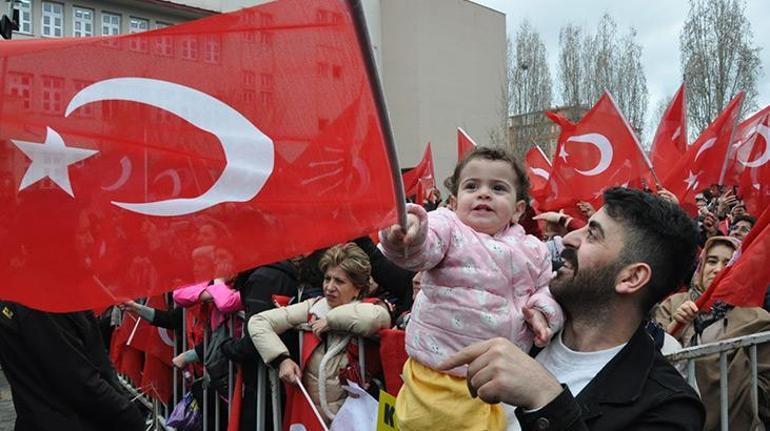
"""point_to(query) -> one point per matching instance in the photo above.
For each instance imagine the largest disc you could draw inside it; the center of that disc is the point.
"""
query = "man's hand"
(289, 371)
(498, 371)
(398, 235)
(539, 325)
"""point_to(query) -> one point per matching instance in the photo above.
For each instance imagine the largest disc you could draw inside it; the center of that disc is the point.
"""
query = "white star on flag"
(563, 154)
(50, 159)
(692, 180)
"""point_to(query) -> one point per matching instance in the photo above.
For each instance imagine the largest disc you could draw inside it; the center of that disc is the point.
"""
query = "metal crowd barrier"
(724, 347)
(267, 379)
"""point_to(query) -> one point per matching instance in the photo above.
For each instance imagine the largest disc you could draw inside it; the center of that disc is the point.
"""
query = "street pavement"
(7, 414)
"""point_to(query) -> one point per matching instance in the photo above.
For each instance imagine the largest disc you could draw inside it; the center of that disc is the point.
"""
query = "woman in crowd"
(333, 318)
(719, 323)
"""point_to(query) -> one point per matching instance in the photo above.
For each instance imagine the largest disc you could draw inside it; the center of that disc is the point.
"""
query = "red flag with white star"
(670, 141)
(599, 151)
(135, 163)
(706, 159)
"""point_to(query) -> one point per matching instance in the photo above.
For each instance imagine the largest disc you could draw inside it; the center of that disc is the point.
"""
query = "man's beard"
(588, 292)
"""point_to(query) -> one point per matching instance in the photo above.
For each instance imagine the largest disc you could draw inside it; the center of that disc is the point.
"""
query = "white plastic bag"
(358, 412)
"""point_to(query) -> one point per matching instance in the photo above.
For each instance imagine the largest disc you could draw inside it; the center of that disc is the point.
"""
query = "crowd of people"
(513, 320)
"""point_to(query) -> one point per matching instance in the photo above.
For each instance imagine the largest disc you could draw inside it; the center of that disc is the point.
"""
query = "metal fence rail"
(723, 348)
(267, 380)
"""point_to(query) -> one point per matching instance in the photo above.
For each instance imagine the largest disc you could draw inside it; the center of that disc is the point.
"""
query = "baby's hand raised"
(539, 325)
(398, 235)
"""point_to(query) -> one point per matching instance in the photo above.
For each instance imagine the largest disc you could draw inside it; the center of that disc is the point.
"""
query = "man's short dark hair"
(743, 217)
(658, 233)
(492, 154)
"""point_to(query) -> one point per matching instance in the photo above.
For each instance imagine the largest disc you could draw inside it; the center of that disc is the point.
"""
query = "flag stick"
(298, 382)
(365, 43)
(133, 332)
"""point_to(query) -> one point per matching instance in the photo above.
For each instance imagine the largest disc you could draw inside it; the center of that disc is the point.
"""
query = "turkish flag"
(742, 146)
(393, 356)
(464, 143)
(151, 160)
(158, 342)
(421, 176)
(744, 282)
(128, 359)
(670, 141)
(753, 157)
(157, 379)
(298, 410)
(538, 171)
(706, 159)
(598, 152)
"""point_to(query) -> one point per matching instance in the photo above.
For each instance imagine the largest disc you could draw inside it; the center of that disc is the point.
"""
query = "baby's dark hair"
(492, 154)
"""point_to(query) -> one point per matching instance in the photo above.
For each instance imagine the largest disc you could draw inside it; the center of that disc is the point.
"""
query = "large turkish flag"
(599, 151)
(133, 164)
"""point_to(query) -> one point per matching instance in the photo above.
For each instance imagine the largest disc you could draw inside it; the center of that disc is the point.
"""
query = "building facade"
(442, 62)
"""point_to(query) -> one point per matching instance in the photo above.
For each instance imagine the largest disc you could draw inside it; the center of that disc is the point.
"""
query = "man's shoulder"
(665, 380)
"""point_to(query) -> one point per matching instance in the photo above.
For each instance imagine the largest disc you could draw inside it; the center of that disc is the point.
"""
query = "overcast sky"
(658, 24)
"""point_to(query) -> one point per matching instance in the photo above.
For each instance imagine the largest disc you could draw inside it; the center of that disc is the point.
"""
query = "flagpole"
(365, 43)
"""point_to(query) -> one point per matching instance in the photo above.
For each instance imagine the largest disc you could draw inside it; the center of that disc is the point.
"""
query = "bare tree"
(530, 76)
(570, 69)
(590, 63)
(718, 59)
(499, 135)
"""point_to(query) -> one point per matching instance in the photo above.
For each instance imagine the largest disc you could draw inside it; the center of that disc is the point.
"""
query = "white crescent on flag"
(249, 153)
(763, 131)
(605, 148)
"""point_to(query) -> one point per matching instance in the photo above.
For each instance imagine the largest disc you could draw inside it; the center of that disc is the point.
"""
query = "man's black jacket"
(61, 377)
(637, 390)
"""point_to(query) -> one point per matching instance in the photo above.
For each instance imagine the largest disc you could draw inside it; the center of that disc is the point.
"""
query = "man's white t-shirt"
(575, 369)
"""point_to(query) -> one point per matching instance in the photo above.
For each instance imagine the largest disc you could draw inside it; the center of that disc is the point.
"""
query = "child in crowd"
(483, 277)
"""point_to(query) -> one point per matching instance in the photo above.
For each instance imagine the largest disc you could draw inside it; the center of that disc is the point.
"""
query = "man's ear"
(632, 278)
(518, 211)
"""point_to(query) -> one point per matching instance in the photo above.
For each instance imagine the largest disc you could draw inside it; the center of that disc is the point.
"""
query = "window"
(19, 86)
(110, 24)
(189, 48)
(266, 98)
(53, 92)
(82, 22)
(138, 25)
(53, 19)
(249, 96)
(266, 80)
(322, 69)
(86, 110)
(164, 45)
(212, 49)
(249, 78)
(25, 16)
